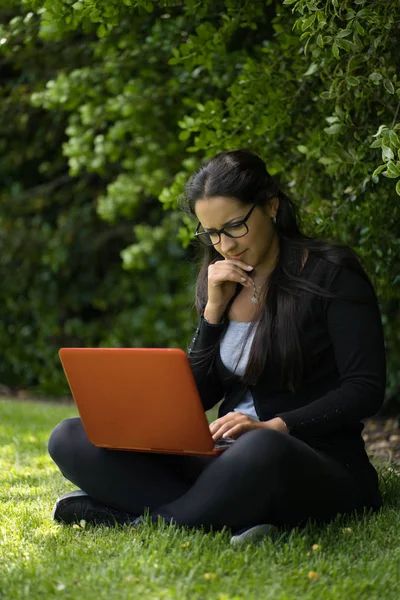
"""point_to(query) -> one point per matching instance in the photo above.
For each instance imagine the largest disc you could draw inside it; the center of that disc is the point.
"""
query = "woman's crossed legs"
(265, 477)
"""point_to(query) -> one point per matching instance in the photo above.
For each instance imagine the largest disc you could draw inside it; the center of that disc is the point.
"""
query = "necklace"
(254, 298)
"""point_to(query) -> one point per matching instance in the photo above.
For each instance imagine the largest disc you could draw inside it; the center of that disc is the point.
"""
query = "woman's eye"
(235, 226)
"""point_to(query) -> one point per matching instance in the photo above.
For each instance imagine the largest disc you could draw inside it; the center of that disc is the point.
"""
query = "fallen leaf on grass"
(313, 575)
(347, 530)
(60, 586)
(210, 576)
(185, 544)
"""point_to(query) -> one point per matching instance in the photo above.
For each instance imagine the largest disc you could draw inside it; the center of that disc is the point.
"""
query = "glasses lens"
(236, 230)
(207, 238)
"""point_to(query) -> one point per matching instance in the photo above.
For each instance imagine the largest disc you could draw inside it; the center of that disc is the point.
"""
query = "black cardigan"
(344, 368)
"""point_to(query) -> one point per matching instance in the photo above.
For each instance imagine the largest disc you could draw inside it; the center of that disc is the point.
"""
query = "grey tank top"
(230, 348)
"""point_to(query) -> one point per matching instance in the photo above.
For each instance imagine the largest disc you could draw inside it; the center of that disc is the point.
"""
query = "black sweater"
(344, 368)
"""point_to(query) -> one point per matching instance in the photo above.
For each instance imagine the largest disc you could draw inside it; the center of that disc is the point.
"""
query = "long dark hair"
(243, 175)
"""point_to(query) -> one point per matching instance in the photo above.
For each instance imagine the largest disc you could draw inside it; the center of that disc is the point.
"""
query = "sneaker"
(76, 506)
(252, 534)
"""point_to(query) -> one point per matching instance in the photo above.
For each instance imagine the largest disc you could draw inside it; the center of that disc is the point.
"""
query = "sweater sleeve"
(209, 386)
(356, 335)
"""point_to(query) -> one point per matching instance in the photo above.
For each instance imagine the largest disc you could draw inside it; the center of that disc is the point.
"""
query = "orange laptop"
(142, 399)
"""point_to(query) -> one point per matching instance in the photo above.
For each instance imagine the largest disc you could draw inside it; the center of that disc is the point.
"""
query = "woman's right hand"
(223, 276)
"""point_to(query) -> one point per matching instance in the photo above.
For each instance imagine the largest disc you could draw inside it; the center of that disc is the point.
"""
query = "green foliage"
(61, 263)
(141, 91)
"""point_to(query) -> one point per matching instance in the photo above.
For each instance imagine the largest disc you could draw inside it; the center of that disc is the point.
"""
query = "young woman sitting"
(290, 337)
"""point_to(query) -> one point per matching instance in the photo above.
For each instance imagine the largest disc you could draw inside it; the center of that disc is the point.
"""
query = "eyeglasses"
(213, 236)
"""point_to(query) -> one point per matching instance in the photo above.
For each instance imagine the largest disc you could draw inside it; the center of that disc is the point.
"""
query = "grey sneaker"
(76, 506)
(253, 534)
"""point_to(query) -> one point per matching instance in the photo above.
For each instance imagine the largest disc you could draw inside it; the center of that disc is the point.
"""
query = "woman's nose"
(227, 244)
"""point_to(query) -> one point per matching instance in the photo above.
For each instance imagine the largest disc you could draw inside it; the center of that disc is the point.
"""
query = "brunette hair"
(243, 175)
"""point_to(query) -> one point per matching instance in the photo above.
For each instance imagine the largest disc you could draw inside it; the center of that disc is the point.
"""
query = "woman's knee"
(63, 439)
(265, 441)
(263, 446)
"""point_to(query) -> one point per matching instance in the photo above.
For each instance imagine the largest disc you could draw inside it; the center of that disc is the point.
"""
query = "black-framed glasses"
(234, 230)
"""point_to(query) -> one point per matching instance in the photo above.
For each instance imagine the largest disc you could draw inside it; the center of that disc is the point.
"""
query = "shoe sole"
(253, 534)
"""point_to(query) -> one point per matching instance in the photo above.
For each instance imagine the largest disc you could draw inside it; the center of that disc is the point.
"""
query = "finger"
(236, 425)
(233, 266)
(234, 274)
(242, 427)
(221, 420)
(236, 431)
(215, 425)
(220, 432)
(224, 428)
(233, 415)
(239, 263)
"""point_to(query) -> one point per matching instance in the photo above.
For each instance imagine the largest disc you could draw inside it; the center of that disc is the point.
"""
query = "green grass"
(41, 560)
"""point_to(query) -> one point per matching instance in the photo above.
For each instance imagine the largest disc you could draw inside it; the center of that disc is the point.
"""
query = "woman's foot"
(76, 506)
(253, 534)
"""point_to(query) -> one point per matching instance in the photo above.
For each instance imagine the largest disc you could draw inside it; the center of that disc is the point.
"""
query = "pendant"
(254, 300)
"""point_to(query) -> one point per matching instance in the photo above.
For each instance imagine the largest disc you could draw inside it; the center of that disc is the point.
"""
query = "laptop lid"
(142, 399)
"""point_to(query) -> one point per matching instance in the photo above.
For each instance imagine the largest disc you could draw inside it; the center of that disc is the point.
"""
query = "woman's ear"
(273, 206)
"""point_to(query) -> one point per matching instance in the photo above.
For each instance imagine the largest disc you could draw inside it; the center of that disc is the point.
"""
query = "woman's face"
(260, 246)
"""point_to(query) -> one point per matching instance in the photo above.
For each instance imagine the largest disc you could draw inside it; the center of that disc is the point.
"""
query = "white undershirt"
(230, 347)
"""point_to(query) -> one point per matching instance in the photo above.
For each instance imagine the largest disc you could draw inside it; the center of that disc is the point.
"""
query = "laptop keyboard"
(223, 443)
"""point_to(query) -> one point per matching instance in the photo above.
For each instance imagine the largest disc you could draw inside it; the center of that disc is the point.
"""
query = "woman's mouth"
(238, 255)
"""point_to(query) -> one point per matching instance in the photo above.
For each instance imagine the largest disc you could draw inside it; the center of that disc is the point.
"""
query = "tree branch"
(44, 188)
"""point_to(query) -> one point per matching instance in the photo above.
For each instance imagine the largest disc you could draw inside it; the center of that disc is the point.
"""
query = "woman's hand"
(223, 276)
(235, 424)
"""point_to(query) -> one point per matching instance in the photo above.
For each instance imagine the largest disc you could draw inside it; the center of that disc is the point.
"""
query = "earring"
(273, 220)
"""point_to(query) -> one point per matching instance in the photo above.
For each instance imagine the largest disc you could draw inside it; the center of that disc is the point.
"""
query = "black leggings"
(265, 477)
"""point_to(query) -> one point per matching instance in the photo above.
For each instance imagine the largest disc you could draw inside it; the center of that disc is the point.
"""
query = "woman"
(290, 336)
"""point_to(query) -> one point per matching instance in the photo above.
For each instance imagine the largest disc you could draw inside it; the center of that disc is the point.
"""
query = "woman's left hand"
(235, 424)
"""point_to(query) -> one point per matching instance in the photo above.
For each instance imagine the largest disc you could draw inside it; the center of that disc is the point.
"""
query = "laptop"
(139, 399)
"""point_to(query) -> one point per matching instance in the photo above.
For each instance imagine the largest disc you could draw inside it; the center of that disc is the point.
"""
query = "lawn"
(347, 559)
